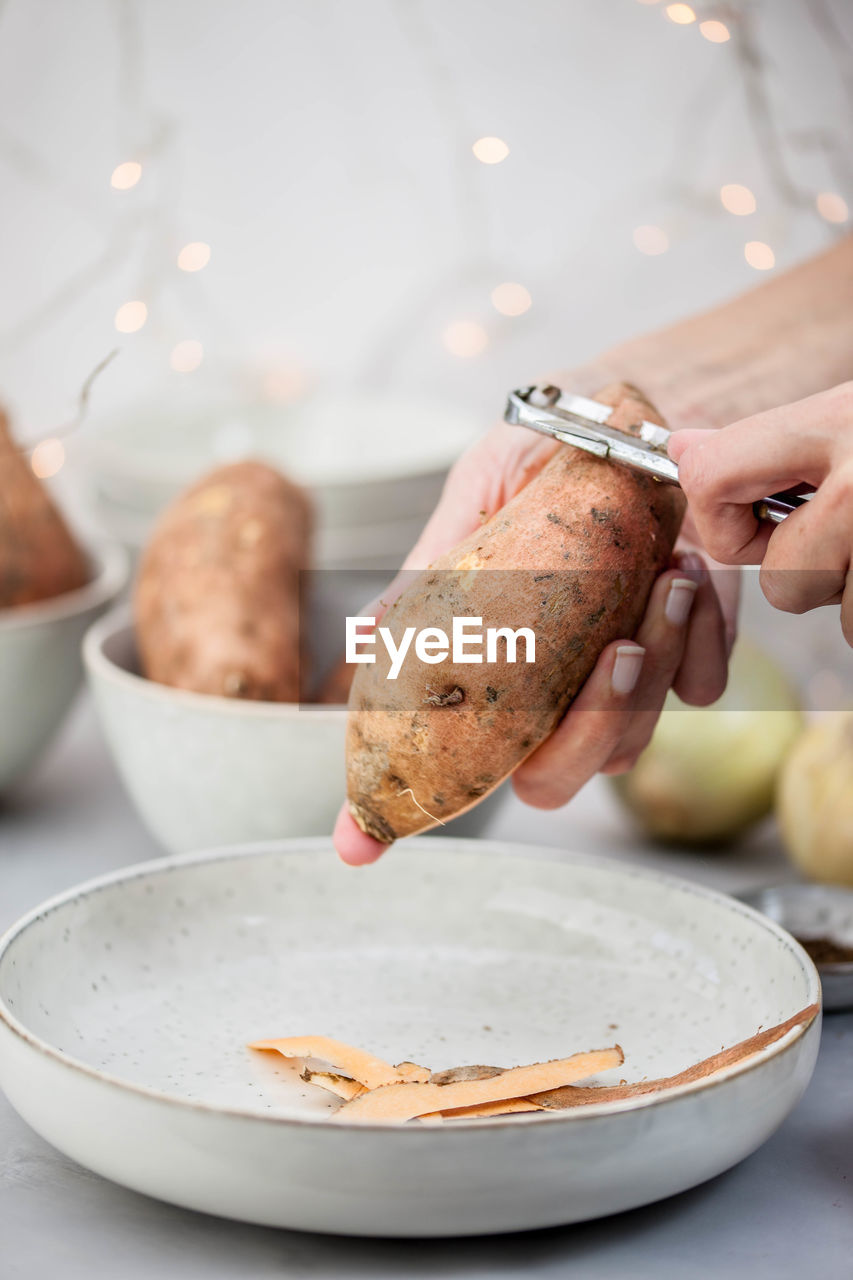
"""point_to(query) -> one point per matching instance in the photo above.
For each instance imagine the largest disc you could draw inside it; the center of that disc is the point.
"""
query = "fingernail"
(679, 602)
(692, 563)
(626, 668)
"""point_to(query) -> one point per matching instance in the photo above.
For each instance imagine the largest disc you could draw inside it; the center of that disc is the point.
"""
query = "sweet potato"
(573, 557)
(39, 557)
(216, 602)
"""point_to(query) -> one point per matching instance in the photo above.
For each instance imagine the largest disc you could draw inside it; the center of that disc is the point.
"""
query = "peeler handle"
(779, 505)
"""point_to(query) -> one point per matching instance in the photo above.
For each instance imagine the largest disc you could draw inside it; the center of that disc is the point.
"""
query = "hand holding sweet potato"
(573, 555)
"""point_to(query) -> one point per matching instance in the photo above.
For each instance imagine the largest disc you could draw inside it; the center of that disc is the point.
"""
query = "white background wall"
(323, 149)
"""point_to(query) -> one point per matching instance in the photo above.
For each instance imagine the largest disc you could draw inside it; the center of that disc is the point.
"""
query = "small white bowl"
(374, 464)
(40, 668)
(206, 771)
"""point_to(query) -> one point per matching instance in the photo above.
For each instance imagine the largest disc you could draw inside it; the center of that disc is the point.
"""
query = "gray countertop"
(786, 1211)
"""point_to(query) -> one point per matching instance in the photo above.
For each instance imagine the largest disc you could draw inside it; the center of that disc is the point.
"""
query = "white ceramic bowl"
(126, 1006)
(375, 465)
(206, 771)
(40, 668)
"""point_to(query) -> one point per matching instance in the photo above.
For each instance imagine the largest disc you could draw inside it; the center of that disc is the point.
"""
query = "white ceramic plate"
(126, 1004)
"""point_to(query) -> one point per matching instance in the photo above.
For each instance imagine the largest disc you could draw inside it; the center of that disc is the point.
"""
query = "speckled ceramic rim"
(100, 667)
(314, 844)
(110, 565)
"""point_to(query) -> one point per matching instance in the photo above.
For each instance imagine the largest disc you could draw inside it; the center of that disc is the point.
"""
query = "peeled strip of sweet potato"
(216, 602)
(454, 1075)
(572, 556)
(577, 1096)
(39, 557)
(364, 1067)
(401, 1102)
(341, 1086)
(412, 1072)
(506, 1107)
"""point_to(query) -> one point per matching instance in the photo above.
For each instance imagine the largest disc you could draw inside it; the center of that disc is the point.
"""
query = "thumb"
(681, 441)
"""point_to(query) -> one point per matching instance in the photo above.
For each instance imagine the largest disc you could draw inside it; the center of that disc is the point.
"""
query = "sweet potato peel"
(578, 1096)
(341, 1086)
(400, 1102)
(412, 1072)
(484, 1110)
(368, 1070)
(372, 1090)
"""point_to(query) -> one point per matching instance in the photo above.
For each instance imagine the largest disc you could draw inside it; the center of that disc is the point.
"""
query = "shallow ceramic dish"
(40, 668)
(126, 1005)
(204, 771)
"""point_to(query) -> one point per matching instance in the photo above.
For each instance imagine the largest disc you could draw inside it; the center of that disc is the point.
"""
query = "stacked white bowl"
(374, 464)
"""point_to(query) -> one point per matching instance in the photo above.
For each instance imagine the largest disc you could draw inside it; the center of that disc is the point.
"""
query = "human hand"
(806, 560)
(683, 641)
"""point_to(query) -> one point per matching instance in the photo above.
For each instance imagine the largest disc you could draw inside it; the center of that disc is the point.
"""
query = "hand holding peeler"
(583, 423)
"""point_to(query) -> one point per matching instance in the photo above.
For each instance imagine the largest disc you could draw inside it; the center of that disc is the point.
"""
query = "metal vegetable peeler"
(583, 423)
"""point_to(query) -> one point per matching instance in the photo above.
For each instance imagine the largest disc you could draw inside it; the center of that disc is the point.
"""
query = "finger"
(808, 556)
(724, 472)
(354, 846)
(587, 735)
(765, 451)
(662, 633)
(702, 675)
(847, 609)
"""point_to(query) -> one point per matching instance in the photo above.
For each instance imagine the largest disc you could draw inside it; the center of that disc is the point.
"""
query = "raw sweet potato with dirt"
(572, 557)
(39, 557)
(216, 602)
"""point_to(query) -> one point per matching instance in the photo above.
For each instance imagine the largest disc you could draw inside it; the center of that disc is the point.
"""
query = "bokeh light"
(832, 206)
(465, 339)
(716, 32)
(737, 199)
(759, 255)
(186, 356)
(124, 176)
(47, 458)
(131, 316)
(511, 299)
(680, 13)
(490, 150)
(651, 240)
(194, 256)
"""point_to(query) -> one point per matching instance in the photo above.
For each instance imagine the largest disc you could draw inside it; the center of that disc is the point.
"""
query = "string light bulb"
(651, 240)
(716, 32)
(186, 356)
(285, 383)
(759, 255)
(194, 256)
(490, 150)
(681, 14)
(131, 316)
(511, 299)
(47, 458)
(737, 199)
(465, 339)
(832, 207)
(126, 175)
